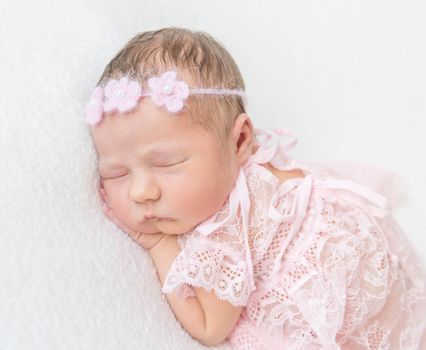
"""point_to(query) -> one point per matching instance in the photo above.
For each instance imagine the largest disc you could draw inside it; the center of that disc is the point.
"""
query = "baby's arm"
(205, 317)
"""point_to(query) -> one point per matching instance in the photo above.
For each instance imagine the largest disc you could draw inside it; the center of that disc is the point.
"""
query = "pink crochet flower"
(121, 94)
(94, 107)
(167, 91)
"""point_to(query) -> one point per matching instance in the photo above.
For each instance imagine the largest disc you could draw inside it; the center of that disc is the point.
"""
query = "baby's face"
(161, 172)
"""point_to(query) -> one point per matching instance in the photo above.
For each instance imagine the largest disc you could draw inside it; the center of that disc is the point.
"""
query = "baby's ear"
(242, 137)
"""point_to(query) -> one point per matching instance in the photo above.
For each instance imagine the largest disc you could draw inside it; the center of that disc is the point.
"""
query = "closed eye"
(112, 177)
(167, 165)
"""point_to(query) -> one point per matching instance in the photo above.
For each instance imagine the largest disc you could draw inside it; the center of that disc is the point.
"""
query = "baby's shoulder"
(283, 175)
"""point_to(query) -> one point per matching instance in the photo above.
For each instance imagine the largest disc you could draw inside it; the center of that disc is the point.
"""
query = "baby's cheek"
(116, 199)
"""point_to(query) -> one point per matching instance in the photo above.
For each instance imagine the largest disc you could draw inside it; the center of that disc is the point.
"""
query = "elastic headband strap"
(207, 91)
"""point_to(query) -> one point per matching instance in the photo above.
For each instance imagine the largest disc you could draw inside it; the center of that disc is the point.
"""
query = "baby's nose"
(143, 188)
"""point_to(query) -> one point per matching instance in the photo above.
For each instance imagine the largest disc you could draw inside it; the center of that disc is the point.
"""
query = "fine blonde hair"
(198, 58)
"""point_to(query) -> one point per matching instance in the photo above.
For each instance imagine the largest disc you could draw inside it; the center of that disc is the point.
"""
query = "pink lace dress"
(317, 262)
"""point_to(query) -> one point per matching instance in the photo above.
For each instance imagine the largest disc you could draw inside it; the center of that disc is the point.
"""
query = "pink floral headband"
(123, 95)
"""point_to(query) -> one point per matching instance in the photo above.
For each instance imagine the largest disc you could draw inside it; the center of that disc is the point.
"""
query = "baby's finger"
(110, 214)
(104, 196)
(102, 192)
(101, 185)
(107, 211)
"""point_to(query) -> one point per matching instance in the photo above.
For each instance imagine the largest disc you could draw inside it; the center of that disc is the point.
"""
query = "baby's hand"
(146, 241)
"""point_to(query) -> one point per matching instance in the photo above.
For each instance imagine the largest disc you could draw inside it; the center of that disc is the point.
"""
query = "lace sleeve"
(214, 262)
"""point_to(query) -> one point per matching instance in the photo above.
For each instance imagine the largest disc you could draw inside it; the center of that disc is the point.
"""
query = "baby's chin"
(172, 227)
(168, 227)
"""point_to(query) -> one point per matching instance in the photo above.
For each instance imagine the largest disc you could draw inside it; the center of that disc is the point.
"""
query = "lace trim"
(212, 270)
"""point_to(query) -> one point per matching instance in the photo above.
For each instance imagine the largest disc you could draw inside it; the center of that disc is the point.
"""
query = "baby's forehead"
(160, 138)
(109, 157)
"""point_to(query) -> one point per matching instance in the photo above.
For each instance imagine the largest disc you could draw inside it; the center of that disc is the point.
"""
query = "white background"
(348, 76)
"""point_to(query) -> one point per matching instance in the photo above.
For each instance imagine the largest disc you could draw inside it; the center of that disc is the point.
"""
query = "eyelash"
(112, 177)
(168, 165)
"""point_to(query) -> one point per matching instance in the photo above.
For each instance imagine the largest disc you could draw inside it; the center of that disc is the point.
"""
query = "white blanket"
(69, 279)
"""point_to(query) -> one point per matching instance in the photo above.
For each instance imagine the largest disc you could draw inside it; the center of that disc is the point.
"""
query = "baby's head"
(170, 129)
(198, 59)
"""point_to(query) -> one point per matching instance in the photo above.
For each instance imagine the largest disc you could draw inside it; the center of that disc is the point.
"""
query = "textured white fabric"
(69, 279)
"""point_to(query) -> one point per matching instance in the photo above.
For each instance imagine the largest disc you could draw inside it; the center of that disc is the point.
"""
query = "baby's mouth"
(152, 218)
